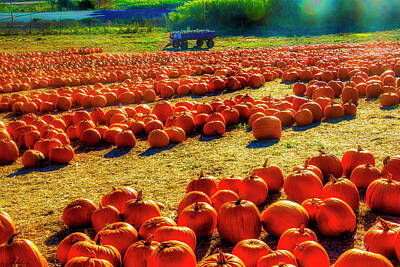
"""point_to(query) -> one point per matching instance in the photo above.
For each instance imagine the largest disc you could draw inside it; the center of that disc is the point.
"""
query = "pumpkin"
(21, 252)
(250, 250)
(350, 94)
(358, 258)
(350, 109)
(221, 197)
(286, 117)
(212, 128)
(334, 217)
(118, 196)
(139, 253)
(180, 233)
(271, 174)
(172, 253)
(137, 211)
(373, 90)
(175, 134)
(8, 151)
(294, 236)
(276, 258)
(193, 197)
(311, 206)
(282, 215)
(158, 138)
(221, 259)
(91, 249)
(310, 253)
(381, 238)
(148, 228)
(256, 80)
(7, 228)
(334, 111)
(303, 117)
(201, 217)
(88, 262)
(363, 175)
(90, 137)
(186, 122)
(383, 195)
(343, 189)
(119, 235)
(389, 99)
(205, 184)
(103, 216)
(301, 185)
(254, 189)
(61, 154)
(328, 163)
(32, 158)
(125, 139)
(66, 244)
(78, 212)
(163, 110)
(230, 183)
(391, 165)
(316, 110)
(267, 127)
(238, 220)
(312, 168)
(354, 157)
(299, 88)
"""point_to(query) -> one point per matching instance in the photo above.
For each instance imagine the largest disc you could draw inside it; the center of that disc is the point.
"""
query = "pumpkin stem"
(265, 162)
(359, 148)
(321, 151)
(301, 228)
(98, 241)
(237, 203)
(149, 238)
(385, 224)
(113, 188)
(306, 163)
(11, 239)
(139, 196)
(333, 179)
(221, 258)
(201, 175)
(367, 165)
(386, 160)
(389, 177)
(196, 206)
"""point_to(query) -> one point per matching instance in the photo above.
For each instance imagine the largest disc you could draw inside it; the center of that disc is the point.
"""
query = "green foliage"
(234, 13)
(288, 17)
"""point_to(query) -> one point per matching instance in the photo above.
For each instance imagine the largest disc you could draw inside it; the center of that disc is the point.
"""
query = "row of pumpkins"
(158, 72)
(49, 137)
(131, 231)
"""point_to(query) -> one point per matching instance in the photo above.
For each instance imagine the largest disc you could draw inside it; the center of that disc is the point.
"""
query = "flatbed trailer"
(181, 38)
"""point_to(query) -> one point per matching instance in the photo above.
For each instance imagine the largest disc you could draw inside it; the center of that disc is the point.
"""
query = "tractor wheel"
(199, 43)
(210, 43)
(184, 45)
(175, 44)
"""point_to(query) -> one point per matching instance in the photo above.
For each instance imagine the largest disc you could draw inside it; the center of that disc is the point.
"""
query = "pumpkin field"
(276, 155)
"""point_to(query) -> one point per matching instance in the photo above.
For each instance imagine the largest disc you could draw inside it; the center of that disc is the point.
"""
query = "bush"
(225, 13)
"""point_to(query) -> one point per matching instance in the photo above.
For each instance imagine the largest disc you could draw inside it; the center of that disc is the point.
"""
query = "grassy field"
(36, 198)
(145, 42)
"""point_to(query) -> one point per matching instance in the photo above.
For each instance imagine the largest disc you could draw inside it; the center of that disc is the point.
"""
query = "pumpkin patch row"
(163, 124)
(42, 70)
(128, 92)
(230, 206)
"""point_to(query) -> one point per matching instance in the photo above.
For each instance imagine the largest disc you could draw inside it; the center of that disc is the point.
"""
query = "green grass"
(119, 4)
(148, 40)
